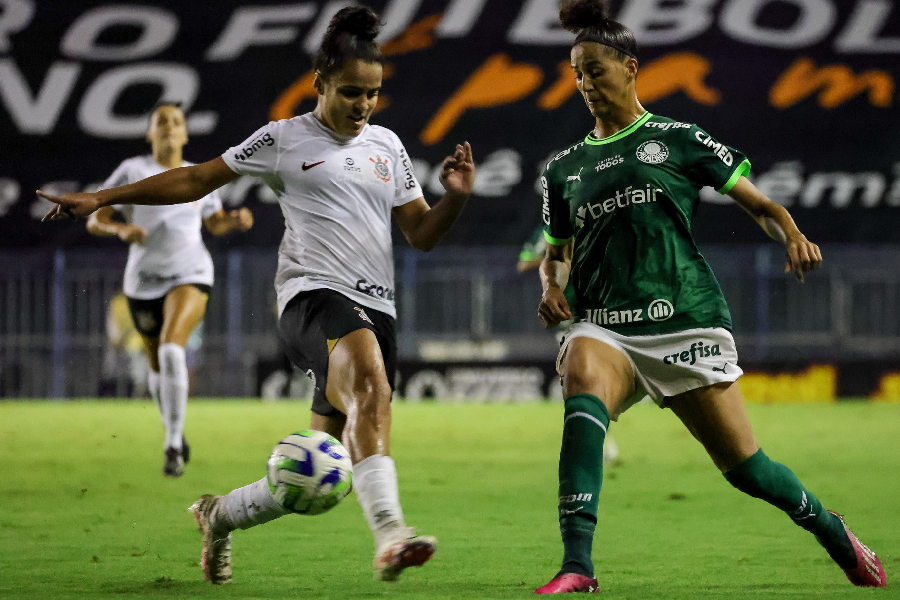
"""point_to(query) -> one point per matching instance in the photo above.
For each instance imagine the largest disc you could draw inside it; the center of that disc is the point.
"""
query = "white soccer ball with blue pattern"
(309, 472)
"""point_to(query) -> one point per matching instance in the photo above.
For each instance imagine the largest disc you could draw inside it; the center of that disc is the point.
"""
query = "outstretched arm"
(102, 224)
(221, 222)
(175, 186)
(425, 226)
(554, 272)
(776, 221)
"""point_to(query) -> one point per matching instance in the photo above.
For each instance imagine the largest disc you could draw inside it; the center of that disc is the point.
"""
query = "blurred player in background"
(530, 257)
(651, 318)
(169, 273)
(124, 359)
(339, 181)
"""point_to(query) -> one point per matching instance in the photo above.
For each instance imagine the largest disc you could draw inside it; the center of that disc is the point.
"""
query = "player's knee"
(172, 359)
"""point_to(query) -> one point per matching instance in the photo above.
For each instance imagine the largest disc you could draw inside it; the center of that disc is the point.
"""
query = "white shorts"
(668, 364)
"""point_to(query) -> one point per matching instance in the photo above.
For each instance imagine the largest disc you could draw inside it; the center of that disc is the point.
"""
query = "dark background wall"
(807, 88)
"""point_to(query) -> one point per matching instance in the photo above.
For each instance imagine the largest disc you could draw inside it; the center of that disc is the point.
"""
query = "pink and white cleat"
(568, 583)
(868, 571)
(394, 556)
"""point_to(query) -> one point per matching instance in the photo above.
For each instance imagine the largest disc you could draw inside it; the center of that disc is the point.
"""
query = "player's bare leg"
(597, 379)
(715, 415)
(183, 309)
(358, 387)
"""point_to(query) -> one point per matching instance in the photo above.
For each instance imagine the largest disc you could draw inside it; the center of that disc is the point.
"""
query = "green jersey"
(626, 202)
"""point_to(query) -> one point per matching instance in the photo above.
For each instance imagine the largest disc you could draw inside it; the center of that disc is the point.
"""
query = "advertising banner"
(806, 88)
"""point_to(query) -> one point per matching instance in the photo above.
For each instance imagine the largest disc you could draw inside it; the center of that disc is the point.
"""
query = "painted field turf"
(85, 512)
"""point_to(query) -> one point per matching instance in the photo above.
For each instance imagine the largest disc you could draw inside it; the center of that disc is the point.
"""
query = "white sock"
(252, 505)
(375, 482)
(153, 386)
(173, 391)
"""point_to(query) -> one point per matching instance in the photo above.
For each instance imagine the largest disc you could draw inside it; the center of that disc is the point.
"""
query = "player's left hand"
(243, 218)
(458, 171)
(70, 206)
(802, 256)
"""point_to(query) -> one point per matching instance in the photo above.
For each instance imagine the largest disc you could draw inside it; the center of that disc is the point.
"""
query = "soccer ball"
(309, 472)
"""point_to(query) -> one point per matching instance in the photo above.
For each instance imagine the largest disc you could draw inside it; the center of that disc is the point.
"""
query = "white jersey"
(173, 252)
(336, 194)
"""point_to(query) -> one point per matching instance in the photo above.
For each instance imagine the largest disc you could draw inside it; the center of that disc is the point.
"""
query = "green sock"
(580, 479)
(763, 478)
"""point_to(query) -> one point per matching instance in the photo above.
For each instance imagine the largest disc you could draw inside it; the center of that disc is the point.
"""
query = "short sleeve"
(712, 163)
(210, 204)
(558, 228)
(408, 188)
(258, 154)
(121, 176)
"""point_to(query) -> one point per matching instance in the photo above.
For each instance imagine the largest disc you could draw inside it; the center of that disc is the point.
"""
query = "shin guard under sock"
(580, 479)
(763, 478)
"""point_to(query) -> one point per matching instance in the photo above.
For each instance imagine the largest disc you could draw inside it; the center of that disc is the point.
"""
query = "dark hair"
(589, 21)
(351, 35)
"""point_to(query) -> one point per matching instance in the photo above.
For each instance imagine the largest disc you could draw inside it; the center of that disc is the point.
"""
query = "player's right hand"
(132, 234)
(553, 308)
(70, 206)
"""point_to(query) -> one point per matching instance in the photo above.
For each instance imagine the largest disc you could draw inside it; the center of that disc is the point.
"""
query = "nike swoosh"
(307, 167)
(570, 512)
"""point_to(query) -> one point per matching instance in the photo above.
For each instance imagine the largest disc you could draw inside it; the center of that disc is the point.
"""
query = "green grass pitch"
(86, 514)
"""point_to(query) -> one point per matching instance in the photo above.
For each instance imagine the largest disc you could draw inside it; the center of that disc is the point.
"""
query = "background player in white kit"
(339, 181)
(169, 273)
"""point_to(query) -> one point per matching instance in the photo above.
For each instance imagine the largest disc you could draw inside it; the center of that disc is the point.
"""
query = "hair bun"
(576, 15)
(359, 21)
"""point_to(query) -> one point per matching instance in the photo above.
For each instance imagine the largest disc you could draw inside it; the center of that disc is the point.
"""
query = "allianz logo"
(658, 310)
(620, 199)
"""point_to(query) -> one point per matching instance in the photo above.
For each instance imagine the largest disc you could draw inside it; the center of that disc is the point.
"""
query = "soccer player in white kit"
(169, 273)
(339, 181)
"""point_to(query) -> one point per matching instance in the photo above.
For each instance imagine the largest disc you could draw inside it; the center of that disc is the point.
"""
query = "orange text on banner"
(818, 383)
(678, 72)
(835, 85)
(497, 81)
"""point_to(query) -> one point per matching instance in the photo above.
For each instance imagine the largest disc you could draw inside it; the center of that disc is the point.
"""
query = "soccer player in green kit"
(651, 318)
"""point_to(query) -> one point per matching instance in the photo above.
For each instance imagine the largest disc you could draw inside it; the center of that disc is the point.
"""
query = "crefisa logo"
(652, 152)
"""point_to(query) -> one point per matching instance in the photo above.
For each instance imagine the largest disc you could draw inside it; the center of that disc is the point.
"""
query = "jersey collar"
(590, 139)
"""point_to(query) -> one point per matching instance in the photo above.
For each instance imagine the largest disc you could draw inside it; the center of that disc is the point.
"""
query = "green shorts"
(669, 364)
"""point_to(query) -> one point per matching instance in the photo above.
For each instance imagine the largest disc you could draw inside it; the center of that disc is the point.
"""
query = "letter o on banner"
(158, 28)
(425, 383)
(817, 17)
(179, 83)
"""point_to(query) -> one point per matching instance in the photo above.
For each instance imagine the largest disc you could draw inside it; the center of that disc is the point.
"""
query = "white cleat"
(395, 555)
(215, 559)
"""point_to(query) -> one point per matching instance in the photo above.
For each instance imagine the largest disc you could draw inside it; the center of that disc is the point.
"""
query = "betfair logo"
(620, 199)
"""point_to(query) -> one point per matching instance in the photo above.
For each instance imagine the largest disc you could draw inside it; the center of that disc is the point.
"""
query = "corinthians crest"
(381, 168)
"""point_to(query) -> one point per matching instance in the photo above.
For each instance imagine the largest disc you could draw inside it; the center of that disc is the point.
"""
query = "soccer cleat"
(394, 556)
(568, 583)
(215, 560)
(174, 465)
(868, 571)
(185, 450)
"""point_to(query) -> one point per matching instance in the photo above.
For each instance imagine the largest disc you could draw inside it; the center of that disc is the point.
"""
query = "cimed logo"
(652, 152)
